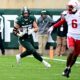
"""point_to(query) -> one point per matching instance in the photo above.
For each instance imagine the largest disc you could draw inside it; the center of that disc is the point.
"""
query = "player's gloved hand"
(50, 29)
(30, 31)
(21, 33)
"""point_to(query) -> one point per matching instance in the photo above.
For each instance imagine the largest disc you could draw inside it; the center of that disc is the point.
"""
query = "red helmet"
(72, 6)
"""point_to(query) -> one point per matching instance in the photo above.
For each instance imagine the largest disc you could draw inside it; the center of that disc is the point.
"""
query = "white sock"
(18, 58)
(18, 55)
(43, 61)
(46, 63)
(68, 67)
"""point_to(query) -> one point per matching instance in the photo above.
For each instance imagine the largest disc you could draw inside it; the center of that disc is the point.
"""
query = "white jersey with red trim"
(73, 21)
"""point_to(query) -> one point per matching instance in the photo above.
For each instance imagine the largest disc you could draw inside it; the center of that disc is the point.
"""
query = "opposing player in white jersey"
(72, 17)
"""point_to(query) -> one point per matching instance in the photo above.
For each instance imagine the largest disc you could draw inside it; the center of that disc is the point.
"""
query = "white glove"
(30, 31)
(50, 29)
(20, 34)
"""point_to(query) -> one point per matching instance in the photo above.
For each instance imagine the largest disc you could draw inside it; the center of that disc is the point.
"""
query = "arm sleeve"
(59, 23)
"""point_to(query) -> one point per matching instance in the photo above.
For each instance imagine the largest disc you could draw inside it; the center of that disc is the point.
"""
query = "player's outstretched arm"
(56, 25)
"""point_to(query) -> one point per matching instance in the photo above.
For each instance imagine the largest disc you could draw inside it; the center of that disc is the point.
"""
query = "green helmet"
(25, 10)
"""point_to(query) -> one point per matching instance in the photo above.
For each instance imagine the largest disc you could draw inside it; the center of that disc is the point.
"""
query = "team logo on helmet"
(25, 10)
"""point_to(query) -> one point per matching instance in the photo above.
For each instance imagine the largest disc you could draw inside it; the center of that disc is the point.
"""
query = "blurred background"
(11, 9)
(52, 4)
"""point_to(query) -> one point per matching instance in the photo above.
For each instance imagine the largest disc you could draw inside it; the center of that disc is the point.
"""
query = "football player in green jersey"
(25, 25)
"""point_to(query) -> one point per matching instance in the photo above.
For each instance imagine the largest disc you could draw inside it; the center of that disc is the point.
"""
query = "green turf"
(31, 69)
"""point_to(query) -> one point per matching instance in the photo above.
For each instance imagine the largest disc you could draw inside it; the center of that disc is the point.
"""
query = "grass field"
(31, 69)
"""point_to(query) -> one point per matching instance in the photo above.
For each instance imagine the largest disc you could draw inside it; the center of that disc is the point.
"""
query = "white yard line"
(62, 60)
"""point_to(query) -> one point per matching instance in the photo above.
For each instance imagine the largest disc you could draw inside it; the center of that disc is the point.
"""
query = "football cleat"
(66, 72)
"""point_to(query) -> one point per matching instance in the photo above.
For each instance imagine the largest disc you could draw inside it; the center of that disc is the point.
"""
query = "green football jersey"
(25, 23)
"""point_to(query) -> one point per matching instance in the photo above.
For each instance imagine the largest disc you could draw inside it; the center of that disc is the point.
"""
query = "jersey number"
(74, 23)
